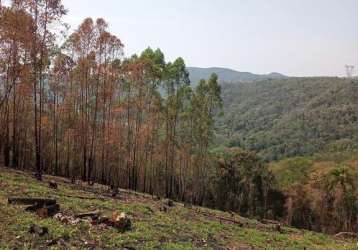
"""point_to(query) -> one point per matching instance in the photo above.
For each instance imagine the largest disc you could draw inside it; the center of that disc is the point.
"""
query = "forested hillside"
(290, 117)
(72, 105)
(228, 75)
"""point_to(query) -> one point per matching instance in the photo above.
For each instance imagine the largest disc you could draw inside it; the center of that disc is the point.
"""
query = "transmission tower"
(349, 70)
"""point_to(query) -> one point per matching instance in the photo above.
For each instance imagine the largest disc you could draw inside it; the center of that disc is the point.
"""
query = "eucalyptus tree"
(205, 102)
(45, 14)
(176, 79)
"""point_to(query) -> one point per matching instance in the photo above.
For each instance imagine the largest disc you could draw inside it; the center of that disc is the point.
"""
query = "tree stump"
(53, 185)
(40, 231)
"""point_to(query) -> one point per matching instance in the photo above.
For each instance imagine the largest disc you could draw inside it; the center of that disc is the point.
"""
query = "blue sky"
(294, 37)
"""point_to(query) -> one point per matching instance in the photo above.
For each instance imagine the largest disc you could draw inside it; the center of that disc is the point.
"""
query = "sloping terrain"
(180, 227)
(228, 75)
(291, 117)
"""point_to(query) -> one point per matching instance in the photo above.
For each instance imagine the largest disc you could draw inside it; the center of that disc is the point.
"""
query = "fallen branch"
(85, 197)
(272, 222)
(220, 218)
(346, 235)
(94, 214)
(271, 226)
(33, 208)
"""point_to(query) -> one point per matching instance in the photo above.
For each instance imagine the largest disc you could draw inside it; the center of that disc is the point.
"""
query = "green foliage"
(292, 171)
(321, 191)
(205, 100)
(242, 182)
(340, 203)
(290, 117)
(341, 176)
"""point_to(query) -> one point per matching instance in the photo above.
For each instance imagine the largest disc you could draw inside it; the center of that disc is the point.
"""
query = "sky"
(293, 37)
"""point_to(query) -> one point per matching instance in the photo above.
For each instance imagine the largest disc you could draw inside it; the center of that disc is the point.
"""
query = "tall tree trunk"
(7, 137)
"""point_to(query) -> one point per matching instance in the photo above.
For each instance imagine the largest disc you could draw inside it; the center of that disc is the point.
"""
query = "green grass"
(179, 228)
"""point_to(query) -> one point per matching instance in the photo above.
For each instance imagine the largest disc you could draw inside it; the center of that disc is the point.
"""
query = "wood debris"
(346, 235)
(120, 221)
(93, 214)
(43, 207)
(31, 201)
(67, 219)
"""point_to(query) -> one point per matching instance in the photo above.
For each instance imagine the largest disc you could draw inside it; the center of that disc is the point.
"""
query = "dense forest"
(290, 117)
(321, 190)
(82, 110)
(310, 126)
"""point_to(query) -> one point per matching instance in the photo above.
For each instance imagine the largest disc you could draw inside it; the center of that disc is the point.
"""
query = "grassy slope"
(179, 228)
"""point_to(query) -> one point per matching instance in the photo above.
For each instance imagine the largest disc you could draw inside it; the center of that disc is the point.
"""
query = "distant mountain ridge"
(229, 75)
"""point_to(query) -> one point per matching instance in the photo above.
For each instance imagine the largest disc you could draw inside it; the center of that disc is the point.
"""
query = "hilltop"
(180, 227)
(228, 75)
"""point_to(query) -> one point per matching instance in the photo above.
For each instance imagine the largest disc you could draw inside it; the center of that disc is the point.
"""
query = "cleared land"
(178, 227)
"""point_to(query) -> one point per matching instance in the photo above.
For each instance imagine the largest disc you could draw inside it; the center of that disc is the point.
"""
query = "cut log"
(93, 214)
(33, 208)
(346, 235)
(44, 211)
(220, 218)
(40, 231)
(48, 211)
(273, 222)
(121, 221)
(86, 197)
(31, 201)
